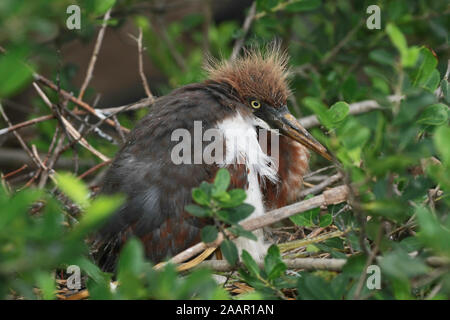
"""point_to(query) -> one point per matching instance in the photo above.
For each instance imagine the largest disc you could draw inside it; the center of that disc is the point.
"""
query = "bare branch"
(72, 131)
(98, 44)
(245, 28)
(19, 138)
(303, 263)
(141, 65)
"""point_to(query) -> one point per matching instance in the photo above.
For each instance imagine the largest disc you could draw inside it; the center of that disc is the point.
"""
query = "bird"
(243, 100)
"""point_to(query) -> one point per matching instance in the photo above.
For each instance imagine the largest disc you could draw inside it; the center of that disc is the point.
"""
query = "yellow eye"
(255, 104)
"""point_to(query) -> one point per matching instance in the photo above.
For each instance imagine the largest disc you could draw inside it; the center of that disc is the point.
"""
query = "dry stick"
(13, 173)
(73, 99)
(26, 124)
(98, 44)
(72, 131)
(245, 28)
(355, 108)
(69, 96)
(53, 159)
(332, 196)
(312, 264)
(141, 66)
(302, 263)
(93, 169)
(143, 103)
(324, 184)
(21, 141)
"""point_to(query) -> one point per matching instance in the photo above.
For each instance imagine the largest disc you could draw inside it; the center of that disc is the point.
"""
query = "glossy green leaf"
(434, 115)
(230, 252)
(209, 234)
(200, 196)
(74, 188)
(222, 181)
(441, 141)
(250, 263)
(198, 211)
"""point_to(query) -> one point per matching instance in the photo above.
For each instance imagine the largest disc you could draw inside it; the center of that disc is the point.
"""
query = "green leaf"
(427, 65)
(239, 231)
(198, 211)
(303, 5)
(273, 265)
(209, 234)
(222, 181)
(74, 188)
(46, 282)
(445, 90)
(338, 112)
(434, 115)
(200, 197)
(408, 55)
(326, 220)
(305, 219)
(441, 141)
(251, 264)
(131, 259)
(234, 215)
(14, 74)
(320, 110)
(230, 252)
(397, 38)
(236, 197)
(311, 287)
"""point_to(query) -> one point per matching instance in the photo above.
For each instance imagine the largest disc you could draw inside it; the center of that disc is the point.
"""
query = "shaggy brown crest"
(258, 74)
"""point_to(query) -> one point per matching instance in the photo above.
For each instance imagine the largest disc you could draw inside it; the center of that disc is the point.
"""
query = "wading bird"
(239, 99)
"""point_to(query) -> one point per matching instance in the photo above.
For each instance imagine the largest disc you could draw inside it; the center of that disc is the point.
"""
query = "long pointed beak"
(289, 126)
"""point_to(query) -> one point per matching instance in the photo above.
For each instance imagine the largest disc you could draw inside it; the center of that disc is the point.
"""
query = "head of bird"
(259, 81)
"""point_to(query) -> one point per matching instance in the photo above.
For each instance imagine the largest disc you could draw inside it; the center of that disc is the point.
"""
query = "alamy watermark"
(374, 279)
(374, 20)
(225, 146)
(74, 280)
(73, 22)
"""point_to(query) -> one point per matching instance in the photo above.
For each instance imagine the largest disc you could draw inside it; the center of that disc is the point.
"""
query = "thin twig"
(321, 186)
(75, 100)
(19, 138)
(141, 66)
(98, 44)
(303, 263)
(69, 127)
(245, 28)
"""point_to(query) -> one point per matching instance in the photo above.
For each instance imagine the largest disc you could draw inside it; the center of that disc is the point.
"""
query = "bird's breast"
(242, 147)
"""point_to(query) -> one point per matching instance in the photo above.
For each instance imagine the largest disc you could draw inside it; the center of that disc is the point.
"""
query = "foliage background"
(396, 157)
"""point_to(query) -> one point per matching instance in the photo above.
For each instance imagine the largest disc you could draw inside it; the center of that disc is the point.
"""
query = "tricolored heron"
(239, 99)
